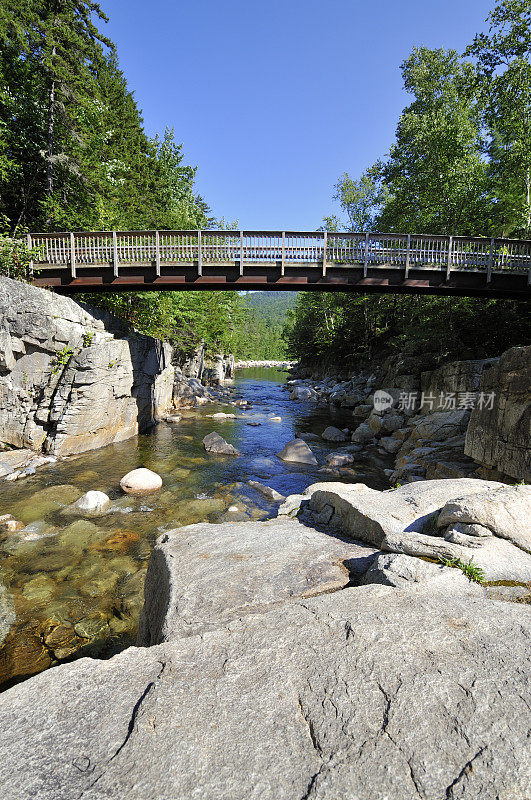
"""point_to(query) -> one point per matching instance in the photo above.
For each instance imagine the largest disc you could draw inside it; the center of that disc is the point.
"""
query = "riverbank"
(306, 663)
(459, 419)
(267, 364)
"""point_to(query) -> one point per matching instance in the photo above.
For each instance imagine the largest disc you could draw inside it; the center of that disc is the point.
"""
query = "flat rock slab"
(366, 693)
(204, 575)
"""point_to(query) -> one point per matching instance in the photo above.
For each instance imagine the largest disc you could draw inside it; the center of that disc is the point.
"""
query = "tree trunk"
(51, 132)
(51, 136)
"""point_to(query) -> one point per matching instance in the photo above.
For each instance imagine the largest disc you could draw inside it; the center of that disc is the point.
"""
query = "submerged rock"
(298, 451)
(8, 524)
(339, 459)
(267, 491)
(141, 481)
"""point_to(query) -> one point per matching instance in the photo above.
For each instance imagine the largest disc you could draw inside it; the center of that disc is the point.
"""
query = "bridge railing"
(122, 249)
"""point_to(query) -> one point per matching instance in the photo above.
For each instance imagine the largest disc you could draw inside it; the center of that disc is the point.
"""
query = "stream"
(77, 583)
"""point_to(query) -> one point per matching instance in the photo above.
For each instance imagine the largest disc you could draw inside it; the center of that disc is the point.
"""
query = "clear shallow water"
(77, 583)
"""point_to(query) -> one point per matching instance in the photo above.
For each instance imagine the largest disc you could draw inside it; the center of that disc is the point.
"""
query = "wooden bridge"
(211, 259)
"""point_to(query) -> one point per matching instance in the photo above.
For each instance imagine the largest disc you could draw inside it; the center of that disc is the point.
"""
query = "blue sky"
(273, 101)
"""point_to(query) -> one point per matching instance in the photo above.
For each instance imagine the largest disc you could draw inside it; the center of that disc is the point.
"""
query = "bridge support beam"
(72, 255)
(199, 255)
(115, 254)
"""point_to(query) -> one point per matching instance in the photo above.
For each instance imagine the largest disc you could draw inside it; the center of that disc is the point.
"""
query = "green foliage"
(342, 328)
(361, 200)
(504, 78)
(73, 151)
(435, 174)
(87, 338)
(61, 359)
(15, 257)
(471, 570)
(260, 334)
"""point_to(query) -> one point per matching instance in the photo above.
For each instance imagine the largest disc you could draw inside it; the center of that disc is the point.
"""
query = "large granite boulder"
(369, 515)
(364, 693)
(405, 520)
(72, 380)
(505, 511)
(203, 575)
(499, 432)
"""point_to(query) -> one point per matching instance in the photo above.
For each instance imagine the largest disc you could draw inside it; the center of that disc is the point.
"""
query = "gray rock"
(442, 425)
(214, 443)
(363, 410)
(404, 521)
(291, 505)
(7, 612)
(297, 451)
(236, 569)
(363, 434)
(267, 491)
(498, 436)
(369, 515)
(364, 693)
(308, 437)
(76, 382)
(90, 504)
(470, 530)
(400, 570)
(505, 511)
(332, 434)
(339, 459)
(390, 444)
(303, 393)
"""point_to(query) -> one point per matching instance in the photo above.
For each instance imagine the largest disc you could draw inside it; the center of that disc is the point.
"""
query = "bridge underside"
(344, 278)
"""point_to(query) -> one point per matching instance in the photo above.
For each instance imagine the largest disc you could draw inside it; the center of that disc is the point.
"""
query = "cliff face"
(498, 434)
(71, 380)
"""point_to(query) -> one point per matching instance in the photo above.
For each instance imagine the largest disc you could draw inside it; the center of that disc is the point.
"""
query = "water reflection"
(77, 583)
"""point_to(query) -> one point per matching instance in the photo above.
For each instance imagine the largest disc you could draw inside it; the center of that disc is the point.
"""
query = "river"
(77, 583)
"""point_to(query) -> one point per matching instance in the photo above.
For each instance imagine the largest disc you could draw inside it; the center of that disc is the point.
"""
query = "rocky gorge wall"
(72, 379)
(456, 419)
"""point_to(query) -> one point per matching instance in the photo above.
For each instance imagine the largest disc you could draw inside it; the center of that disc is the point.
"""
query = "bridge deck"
(158, 260)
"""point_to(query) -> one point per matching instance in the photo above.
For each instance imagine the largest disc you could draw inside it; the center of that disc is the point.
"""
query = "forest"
(74, 155)
(460, 164)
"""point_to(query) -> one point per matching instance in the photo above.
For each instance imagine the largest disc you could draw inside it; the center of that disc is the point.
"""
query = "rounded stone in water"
(141, 481)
